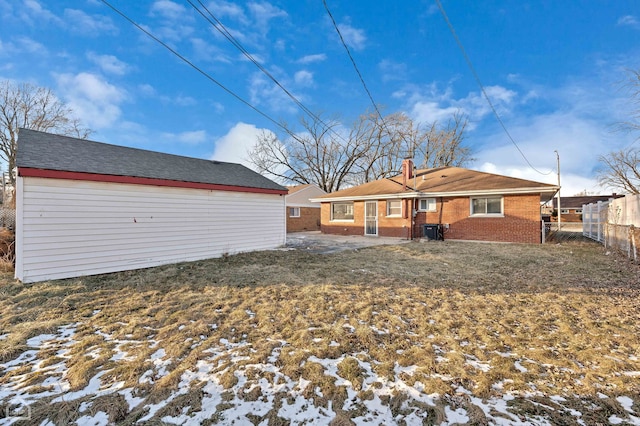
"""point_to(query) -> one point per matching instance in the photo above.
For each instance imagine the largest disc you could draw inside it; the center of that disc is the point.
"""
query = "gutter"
(416, 194)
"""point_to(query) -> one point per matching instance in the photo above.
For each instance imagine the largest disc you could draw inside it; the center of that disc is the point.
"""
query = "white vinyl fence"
(615, 223)
(594, 219)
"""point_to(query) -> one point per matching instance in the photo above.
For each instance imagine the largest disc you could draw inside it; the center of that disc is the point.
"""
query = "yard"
(418, 333)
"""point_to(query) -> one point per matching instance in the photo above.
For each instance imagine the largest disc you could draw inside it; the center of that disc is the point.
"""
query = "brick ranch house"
(571, 207)
(302, 214)
(440, 203)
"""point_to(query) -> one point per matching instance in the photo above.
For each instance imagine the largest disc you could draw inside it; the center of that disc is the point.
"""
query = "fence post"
(632, 230)
(599, 224)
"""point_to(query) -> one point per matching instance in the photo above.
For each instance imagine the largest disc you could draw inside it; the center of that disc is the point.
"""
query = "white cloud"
(578, 140)
(189, 138)
(629, 21)
(432, 10)
(570, 183)
(308, 59)
(93, 100)
(256, 56)
(234, 147)
(428, 112)
(263, 13)
(147, 89)
(208, 52)
(35, 10)
(168, 9)
(108, 63)
(80, 22)
(27, 44)
(430, 104)
(353, 37)
(392, 70)
(231, 10)
(185, 100)
(264, 92)
(174, 23)
(304, 78)
(218, 108)
(476, 106)
(20, 45)
(576, 118)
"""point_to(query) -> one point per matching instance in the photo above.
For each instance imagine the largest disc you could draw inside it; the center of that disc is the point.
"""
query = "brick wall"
(521, 221)
(309, 220)
(572, 216)
(399, 227)
(355, 227)
(520, 224)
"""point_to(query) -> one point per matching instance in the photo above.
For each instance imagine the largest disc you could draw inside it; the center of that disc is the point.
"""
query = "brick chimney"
(407, 171)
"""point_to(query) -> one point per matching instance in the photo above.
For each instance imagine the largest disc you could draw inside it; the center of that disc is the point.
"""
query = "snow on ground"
(231, 405)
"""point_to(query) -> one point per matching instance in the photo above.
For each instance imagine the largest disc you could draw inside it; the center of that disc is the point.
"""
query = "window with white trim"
(294, 211)
(578, 211)
(564, 211)
(486, 206)
(427, 205)
(394, 208)
(342, 210)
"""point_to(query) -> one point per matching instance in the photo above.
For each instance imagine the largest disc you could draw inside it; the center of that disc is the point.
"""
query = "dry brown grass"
(551, 320)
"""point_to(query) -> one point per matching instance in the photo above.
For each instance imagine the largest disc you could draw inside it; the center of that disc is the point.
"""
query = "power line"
(475, 75)
(201, 71)
(355, 66)
(218, 25)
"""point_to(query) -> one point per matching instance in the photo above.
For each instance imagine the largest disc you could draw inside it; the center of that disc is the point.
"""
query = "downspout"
(414, 203)
(409, 204)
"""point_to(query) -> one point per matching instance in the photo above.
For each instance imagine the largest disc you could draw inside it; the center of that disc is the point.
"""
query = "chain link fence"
(8, 218)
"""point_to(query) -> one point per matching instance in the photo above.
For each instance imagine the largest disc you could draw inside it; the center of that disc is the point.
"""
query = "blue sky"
(554, 70)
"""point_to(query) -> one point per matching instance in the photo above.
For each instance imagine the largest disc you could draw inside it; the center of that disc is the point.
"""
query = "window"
(394, 207)
(427, 205)
(342, 211)
(564, 211)
(294, 211)
(578, 211)
(486, 206)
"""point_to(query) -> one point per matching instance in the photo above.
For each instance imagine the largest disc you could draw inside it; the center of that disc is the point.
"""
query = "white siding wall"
(301, 198)
(72, 228)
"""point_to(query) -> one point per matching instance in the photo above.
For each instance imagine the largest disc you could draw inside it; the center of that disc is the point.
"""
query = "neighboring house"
(302, 214)
(571, 207)
(445, 202)
(87, 208)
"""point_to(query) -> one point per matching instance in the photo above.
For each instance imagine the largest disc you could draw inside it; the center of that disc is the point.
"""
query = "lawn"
(418, 333)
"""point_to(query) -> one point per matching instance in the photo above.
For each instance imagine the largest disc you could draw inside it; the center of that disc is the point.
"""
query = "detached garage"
(85, 208)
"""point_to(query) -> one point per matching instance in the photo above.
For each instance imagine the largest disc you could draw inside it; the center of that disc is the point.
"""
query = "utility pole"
(559, 210)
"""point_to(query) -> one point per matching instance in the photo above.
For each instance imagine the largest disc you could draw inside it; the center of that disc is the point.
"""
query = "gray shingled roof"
(47, 151)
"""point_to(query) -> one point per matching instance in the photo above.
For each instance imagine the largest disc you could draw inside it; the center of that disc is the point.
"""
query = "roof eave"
(549, 191)
(97, 177)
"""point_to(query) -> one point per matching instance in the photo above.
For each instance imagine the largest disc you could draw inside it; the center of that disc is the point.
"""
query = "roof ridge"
(124, 147)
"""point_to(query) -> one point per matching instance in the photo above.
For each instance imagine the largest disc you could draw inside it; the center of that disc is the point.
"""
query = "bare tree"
(621, 170)
(384, 140)
(442, 145)
(331, 157)
(398, 137)
(633, 87)
(31, 107)
(319, 154)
